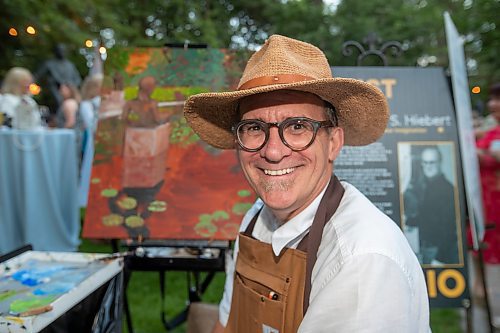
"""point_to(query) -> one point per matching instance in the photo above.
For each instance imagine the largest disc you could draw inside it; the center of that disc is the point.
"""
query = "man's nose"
(274, 150)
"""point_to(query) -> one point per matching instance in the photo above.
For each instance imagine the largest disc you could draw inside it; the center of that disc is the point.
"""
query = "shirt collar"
(290, 233)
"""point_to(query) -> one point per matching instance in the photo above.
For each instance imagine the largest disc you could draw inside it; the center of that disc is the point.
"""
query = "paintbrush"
(33, 312)
(115, 256)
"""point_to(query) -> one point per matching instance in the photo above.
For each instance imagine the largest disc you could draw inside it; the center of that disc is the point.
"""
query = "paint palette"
(37, 287)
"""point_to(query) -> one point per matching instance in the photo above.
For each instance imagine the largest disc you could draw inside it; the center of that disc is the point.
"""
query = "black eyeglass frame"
(316, 124)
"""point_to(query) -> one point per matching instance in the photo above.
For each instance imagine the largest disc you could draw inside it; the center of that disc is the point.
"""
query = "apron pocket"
(258, 313)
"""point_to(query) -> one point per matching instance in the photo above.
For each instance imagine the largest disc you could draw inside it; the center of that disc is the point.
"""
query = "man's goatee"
(276, 185)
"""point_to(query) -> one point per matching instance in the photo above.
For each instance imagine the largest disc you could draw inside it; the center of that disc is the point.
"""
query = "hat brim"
(362, 109)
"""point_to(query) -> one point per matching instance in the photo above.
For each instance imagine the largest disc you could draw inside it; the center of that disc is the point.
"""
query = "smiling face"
(286, 180)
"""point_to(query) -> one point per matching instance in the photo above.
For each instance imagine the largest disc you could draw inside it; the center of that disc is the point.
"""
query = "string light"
(102, 50)
(12, 32)
(89, 43)
(34, 89)
(476, 90)
(30, 30)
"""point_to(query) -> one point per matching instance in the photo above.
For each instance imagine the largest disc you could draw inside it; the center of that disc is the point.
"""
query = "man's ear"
(336, 143)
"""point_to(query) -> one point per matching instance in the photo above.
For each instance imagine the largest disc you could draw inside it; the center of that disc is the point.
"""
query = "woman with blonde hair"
(17, 108)
(91, 101)
(89, 114)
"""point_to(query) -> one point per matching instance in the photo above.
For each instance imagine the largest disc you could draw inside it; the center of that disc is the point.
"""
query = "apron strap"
(327, 207)
(248, 231)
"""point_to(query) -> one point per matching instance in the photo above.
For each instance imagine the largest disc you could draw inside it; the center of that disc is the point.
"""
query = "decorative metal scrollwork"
(371, 40)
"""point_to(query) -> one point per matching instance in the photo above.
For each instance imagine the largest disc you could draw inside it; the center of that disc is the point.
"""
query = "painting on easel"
(152, 177)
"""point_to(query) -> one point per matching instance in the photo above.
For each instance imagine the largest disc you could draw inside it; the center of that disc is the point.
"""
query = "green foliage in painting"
(182, 134)
(134, 221)
(112, 220)
(127, 203)
(109, 193)
(220, 215)
(205, 68)
(241, 208)
(205, 228)
(157, 206)
(116, 60)
(244, 193)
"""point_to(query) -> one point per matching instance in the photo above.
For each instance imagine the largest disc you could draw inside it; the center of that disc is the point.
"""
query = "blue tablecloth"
(38, 190)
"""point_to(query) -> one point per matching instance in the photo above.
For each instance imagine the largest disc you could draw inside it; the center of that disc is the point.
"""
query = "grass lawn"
(145, 302)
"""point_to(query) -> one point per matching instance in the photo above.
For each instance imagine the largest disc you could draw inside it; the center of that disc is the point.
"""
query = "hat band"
(274, 79)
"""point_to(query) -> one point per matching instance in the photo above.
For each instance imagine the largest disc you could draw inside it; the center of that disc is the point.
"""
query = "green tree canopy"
(417, 24)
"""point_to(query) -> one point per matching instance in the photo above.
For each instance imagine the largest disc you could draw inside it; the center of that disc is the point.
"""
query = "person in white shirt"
(91, 101)
(17, 108)
(313, 253)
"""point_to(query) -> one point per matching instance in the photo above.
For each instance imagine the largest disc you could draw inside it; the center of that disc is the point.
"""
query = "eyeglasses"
(296, 133)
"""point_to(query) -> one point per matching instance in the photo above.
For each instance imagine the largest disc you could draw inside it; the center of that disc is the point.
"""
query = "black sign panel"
(413, 173)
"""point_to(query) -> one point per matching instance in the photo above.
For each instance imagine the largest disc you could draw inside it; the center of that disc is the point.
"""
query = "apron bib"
(271, 294)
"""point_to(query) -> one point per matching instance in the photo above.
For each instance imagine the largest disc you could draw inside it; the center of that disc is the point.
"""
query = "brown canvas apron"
(271, 294)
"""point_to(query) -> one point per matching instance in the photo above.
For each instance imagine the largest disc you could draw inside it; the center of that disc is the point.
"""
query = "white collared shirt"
(366, 277)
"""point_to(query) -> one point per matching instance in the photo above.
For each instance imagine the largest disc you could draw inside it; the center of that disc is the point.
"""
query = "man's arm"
(370, 293)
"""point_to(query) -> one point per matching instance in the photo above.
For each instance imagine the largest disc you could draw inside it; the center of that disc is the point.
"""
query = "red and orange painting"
(152, 177)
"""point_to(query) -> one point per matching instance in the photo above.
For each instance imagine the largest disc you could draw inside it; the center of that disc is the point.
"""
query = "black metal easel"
(139, 259)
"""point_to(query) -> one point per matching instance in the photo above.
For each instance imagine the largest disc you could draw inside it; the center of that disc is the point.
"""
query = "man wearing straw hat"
(313, 254)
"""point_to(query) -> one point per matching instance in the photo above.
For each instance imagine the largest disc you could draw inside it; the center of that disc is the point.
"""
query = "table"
(38, 190)
(78, 303)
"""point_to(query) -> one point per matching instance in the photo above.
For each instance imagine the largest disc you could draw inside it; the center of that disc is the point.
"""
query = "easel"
(204, 256)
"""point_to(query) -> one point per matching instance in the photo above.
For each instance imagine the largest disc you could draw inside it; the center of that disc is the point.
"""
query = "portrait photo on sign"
(430, 214)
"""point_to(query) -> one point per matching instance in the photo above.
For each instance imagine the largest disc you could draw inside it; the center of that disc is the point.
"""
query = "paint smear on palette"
(30, 303)
(37, 283)
(7, 293)
(33, 276)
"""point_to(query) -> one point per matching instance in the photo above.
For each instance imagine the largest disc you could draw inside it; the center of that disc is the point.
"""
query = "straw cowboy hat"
(285, 63)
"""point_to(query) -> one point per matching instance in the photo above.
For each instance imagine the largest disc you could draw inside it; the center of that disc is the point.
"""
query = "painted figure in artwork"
(143, 110)
(145, 147)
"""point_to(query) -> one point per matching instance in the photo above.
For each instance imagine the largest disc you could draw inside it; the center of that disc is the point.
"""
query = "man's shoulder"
(356, 210)
(358, 233)
(359, 227)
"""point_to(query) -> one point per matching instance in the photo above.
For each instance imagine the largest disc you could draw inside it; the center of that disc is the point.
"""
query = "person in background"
(89, 114)
(57, 71)
(91, 101)
(67, 115)
(313, 253)
(488, 151)
(17, 107)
